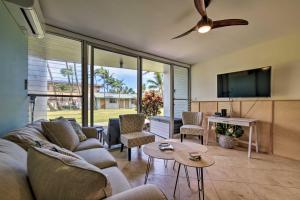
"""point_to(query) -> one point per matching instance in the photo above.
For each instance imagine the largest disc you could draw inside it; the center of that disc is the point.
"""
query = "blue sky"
(129, 76)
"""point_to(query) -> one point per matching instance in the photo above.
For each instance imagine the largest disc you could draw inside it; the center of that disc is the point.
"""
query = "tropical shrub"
(229, 130)
(152, 102)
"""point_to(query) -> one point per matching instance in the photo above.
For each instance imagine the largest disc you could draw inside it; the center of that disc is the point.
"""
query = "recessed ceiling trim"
(112, 46)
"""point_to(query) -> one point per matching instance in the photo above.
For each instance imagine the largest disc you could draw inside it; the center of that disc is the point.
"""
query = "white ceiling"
(149, 25)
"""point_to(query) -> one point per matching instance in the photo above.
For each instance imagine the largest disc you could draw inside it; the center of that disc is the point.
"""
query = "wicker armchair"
(132, 134)
(192, 125)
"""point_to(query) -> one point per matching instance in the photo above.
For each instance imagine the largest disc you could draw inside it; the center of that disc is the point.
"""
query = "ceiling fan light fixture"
(204, 29)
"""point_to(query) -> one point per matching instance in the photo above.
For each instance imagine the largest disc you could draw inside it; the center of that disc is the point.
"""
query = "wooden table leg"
(256, 138)
(250, 141)
(207, 134)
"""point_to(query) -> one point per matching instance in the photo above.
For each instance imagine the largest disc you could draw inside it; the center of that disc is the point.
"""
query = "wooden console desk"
(251, 123)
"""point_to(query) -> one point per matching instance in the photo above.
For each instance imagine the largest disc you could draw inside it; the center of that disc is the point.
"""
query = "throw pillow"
(61, 133)
(82, 137)
(56, 176)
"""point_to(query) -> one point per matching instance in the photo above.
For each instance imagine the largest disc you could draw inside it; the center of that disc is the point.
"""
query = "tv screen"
(250, 83)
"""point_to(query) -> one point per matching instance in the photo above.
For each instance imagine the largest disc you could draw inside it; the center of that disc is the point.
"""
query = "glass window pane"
(54, 70)
(156, 88)
(54, 66)
(54, 107)
(115, 85)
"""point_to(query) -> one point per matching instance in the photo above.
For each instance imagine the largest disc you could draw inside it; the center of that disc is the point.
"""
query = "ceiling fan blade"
(229, 22)
(207, 3)
(200, 6)
(186, 33)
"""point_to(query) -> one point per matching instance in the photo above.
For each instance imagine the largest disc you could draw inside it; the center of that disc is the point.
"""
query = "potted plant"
(226, 134)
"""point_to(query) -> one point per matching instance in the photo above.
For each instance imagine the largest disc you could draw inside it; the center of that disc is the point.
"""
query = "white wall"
(283, 54)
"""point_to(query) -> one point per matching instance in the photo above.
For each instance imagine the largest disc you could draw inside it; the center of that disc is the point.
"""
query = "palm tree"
(76, 78)
(53, 86)
(157, 83)
(68, 72)
(118, 85)
(104, 75)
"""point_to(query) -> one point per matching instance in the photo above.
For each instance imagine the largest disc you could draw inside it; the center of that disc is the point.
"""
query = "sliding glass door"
(77, 79)
(112, 85)
(181, 90)
(156, 96)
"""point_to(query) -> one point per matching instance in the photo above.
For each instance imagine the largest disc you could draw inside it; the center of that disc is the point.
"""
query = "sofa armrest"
(90, 132)
(145, 192)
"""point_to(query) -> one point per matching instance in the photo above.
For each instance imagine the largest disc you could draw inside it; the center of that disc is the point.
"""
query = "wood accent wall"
(279, 129)
(286, 129)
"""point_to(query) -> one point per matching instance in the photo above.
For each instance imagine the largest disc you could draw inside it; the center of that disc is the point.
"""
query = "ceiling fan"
(206, 24)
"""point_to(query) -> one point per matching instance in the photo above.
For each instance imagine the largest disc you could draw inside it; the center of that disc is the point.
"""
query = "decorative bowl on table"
(165, 146)
(195, 156)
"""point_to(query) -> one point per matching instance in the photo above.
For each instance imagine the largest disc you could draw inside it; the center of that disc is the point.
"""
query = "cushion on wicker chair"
(137, 138)
(191, 130)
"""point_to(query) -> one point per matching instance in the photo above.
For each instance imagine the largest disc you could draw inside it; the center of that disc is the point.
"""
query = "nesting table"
(180, 154)
(182, 158)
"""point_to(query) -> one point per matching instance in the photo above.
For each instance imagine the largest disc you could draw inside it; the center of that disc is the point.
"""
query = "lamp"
(204, 25)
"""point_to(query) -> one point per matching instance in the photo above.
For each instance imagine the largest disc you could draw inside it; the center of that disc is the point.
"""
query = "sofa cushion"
(117, 180)
(55, 148)
(56, 176)
(90, 143)
(25, 137)
(61, 133)
(76, 127)
(37, 125)
(13, 172)
(144, 192)
(99, 157)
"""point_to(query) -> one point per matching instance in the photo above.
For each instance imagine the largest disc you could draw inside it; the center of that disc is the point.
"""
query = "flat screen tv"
(250, 83)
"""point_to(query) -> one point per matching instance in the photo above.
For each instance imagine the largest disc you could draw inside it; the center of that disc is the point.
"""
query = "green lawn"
(100, 116)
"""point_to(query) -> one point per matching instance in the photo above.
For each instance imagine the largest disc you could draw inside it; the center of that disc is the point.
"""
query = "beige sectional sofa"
(14, 183)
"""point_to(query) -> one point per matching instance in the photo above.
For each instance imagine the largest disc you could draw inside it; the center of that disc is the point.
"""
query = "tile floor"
(233, 177)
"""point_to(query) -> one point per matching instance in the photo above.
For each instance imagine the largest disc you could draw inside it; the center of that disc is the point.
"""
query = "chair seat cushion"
(90, 143)
(117, 180)
(191, 130)
(99, 157)
(137, 138)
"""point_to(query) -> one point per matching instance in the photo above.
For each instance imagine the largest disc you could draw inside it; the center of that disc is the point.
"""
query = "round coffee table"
(182, 158)
(153, 151)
